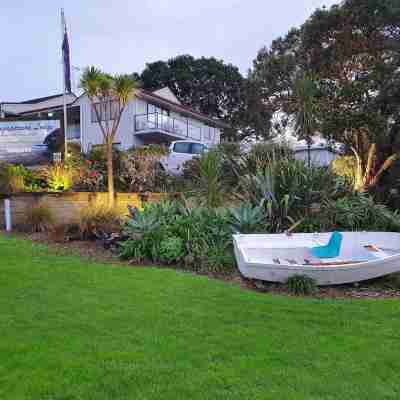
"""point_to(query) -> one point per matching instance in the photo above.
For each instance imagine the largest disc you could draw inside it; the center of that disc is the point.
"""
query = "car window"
(182, 147)
(197, 148)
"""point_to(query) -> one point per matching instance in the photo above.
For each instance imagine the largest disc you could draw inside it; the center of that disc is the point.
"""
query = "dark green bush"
(301, 285)
(200, 239)
(172, 249)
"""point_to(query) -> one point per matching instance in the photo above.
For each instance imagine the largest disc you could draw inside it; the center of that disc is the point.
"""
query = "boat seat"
(331, 250)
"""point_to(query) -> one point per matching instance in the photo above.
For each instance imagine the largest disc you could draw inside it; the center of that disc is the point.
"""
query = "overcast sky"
(121, 36)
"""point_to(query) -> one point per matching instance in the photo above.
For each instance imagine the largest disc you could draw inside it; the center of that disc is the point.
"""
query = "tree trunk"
(110, 174)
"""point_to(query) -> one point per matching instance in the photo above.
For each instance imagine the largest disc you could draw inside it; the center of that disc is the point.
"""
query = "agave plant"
(248, 219)
(143, 223)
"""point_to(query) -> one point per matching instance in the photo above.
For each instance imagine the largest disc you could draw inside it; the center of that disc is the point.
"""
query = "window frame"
(107, 111)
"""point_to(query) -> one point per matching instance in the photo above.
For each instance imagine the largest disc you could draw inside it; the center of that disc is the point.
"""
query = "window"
(182, 147)
(206, 132)
(197, 148)
(152, 109)
(189, 148)
(107, 110)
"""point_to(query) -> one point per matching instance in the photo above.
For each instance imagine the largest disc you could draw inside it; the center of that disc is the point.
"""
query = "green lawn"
(74, 330)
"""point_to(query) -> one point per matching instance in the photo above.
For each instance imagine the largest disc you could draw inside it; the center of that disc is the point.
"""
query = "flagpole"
(63, 27)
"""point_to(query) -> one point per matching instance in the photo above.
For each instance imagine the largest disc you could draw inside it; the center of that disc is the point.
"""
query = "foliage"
(113, 94)
(301, 285)
(205, 84)
(359, 212)
(59, 176)
(286, 188)
(17, 178)
(99, 217)
(39, 218)
(248, 219)
(141, 169)
(172, 249)
(12, 178)
(208, 185)
(368, 170)
(353, 49)
(260, 156)
(345, 167)
(306, 109)
(199, 238)
(253, 116)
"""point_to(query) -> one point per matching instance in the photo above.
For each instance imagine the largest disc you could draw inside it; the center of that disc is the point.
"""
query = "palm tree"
(109, 97)
(305, 104)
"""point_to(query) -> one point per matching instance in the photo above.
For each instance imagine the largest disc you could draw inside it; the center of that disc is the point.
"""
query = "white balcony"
(169, 127)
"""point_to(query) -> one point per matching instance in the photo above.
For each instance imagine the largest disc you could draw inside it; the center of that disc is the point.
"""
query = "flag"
(65, 56)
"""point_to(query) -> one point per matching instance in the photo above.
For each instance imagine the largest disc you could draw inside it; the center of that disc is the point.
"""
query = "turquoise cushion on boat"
(331, 250)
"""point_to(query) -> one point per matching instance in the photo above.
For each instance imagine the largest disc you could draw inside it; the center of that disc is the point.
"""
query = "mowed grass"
(70, 329)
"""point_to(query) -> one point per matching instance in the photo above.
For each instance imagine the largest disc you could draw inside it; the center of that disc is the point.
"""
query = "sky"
(121, 36)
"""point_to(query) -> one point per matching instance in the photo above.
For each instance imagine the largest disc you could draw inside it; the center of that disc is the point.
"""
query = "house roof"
(41, 99)
(37, 100)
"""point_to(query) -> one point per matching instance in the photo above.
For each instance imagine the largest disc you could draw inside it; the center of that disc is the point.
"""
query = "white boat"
(276, 257)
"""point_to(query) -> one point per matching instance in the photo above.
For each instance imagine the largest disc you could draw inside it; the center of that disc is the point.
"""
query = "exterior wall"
(91, 133)
(66, 207)
(319, 157)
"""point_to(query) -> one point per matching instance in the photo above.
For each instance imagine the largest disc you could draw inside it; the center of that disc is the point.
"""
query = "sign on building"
(25, 136)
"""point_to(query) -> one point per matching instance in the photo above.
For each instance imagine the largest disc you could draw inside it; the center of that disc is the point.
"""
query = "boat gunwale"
(310, 267)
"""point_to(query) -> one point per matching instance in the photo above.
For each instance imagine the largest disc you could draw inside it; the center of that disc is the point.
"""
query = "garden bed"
(382, 288)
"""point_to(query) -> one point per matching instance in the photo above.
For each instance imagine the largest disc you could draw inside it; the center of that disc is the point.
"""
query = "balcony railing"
(174, 126)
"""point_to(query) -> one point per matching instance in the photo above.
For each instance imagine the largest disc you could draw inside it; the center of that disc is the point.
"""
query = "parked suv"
(180, 152)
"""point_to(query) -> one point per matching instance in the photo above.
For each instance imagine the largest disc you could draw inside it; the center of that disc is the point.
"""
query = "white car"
(180, 152)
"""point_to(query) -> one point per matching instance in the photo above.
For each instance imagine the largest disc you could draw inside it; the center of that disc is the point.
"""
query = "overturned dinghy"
(361, 256)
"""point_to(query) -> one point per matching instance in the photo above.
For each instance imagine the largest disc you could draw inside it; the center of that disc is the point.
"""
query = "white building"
(150, 117)
(322, 152)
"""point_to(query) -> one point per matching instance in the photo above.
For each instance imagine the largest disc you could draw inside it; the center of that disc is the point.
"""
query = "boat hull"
(333, 273)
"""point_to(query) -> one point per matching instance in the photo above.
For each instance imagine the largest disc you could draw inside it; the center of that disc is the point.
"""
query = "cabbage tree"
(109, 97)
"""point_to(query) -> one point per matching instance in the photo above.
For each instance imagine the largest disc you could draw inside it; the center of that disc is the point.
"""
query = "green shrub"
(301, 285)
(218, 259)
(12, 178)
(59, 176)
(172, 249)
(248, 219)
(286, 188)
(171, 232)
(133, 249)
(359, 212)
(39, 218)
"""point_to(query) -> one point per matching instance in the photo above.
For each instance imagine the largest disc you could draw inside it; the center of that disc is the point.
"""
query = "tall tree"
(208, 85)
(109, 96)
(354, 49)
